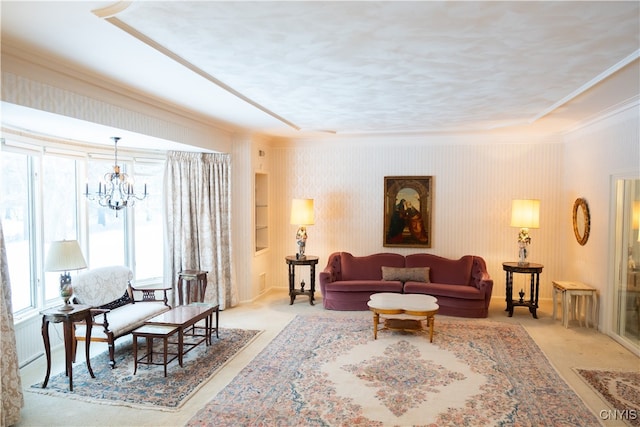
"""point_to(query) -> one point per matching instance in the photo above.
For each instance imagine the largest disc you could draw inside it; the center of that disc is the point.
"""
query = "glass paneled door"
(626, 322)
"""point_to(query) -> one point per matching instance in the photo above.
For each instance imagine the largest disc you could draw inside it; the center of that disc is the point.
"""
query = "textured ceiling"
(396, 66)
(353, 67)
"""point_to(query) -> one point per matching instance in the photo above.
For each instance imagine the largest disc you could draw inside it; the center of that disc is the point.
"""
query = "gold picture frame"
(408, 211)
(581, 220)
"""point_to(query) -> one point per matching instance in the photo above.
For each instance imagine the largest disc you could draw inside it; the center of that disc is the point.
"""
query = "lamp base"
(66, 291)
(301, 240)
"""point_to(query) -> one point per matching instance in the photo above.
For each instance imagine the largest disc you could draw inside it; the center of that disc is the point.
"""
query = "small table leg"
(376, 321)
(87, 343)
(135, 354)
(430, 321)
(217, 322)
(47, 349)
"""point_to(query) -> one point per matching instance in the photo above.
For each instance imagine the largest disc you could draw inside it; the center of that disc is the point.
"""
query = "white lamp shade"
(636, 215)
(525, 213)
(302, 212)
(64, 255)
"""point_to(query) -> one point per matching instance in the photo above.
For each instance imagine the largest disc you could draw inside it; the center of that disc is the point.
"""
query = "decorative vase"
(66, 291)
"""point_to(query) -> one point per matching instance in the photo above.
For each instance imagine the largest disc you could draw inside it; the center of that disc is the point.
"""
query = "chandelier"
(115, 191)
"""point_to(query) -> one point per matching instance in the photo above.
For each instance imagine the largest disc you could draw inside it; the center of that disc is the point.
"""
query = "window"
(149, 236)
(106, 227)
(37, 211)
(59, 207)
(15, 206)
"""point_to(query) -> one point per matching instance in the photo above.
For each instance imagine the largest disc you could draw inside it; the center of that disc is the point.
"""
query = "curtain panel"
(11, 385)
(198, 218)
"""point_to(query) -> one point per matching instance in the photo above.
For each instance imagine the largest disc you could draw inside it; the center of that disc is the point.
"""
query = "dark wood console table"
(292, 261)
(78, 314)
(534, 270)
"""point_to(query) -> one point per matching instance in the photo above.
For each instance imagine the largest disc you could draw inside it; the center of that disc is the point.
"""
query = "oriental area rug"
(329, 371)
(148, 388)
(620, 389)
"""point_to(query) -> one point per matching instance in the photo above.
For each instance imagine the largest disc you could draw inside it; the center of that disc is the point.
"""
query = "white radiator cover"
(29, 341)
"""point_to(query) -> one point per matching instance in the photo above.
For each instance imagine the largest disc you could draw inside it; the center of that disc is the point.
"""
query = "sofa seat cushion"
(445, 290)
(364, 286)
(125, 319)
(368, 267)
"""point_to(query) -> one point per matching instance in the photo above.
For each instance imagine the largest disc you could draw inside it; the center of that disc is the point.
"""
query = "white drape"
(198, 217)
(10, 384)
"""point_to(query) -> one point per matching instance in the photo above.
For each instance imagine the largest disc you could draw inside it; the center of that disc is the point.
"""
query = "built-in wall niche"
(261, 211)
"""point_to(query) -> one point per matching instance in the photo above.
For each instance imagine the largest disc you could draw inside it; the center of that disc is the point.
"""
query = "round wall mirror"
(581, 221)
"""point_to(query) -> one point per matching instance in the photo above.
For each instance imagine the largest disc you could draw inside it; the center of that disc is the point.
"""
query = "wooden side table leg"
(180, 345)
(292, 279)
(135, 354)
(67, 326)
(431, 320)
(566, 302)
(87, 343)
(376, 321)
(47, 349)
(594, 309)
(312, 291)
(166, 340)
(217, 322)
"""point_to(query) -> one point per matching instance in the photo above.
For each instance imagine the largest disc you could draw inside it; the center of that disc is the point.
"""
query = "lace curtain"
(198, 216)
(11, 386)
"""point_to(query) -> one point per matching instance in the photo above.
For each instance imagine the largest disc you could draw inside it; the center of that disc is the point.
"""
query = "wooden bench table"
(149, 332)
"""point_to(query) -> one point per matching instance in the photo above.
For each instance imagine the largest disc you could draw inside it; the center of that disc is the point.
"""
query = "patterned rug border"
(578, 412)
(36, 388)
(610, 400)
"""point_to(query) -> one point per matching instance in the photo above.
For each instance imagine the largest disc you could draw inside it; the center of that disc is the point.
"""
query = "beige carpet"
(566, 348)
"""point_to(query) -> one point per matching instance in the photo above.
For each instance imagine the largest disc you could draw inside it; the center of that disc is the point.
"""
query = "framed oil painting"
(408, 211)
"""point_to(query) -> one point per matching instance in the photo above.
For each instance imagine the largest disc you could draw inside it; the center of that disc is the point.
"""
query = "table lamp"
(525, 214)
(65, 255)
(302, 215)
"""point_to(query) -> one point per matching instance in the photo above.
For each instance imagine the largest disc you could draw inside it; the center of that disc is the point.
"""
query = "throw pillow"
(413, 274)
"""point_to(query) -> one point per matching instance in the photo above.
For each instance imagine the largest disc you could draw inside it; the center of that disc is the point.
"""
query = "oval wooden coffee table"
(405, 305)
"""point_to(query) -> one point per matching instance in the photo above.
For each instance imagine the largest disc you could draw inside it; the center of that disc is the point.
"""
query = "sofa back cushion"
(444, 270)
(368, 267)
(100, 286)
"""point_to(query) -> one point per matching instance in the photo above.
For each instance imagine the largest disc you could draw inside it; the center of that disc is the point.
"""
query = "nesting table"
(404, 311)
(149, 332)
(569, 291)
(181, 320)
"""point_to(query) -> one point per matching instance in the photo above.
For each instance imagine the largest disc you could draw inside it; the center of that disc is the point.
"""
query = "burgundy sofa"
(463, 287)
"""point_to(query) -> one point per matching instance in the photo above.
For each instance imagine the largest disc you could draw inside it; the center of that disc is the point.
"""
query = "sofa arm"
(480, 277)
(332, 271)
(148, 294)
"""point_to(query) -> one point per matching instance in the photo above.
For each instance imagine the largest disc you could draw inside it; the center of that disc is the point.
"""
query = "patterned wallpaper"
(473, 188)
